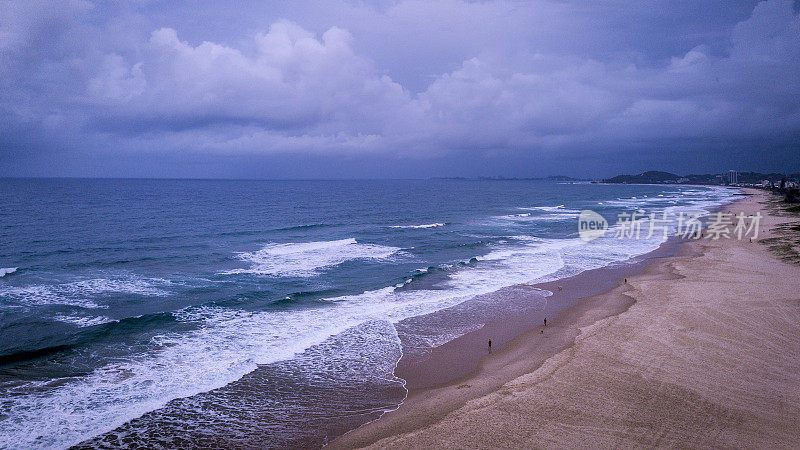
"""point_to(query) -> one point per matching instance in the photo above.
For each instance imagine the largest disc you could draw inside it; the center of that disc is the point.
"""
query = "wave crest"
(425, 225)
(307, 259)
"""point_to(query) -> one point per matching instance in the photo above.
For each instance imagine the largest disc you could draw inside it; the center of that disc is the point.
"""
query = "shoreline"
(462, 355)
(519, 350)
(525, 354)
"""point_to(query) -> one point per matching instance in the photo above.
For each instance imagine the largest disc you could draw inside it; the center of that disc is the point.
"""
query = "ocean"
(264, 313)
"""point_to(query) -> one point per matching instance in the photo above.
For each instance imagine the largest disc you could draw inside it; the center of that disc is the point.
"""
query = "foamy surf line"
(556, 209)
(590, 281)
(7, 271)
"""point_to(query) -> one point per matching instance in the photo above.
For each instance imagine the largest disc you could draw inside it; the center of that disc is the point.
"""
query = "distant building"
(733, 177)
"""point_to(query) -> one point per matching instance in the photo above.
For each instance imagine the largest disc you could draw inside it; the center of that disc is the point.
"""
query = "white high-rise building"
(733, 177)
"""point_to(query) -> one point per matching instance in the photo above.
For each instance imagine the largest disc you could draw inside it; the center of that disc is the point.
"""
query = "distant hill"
(649, 177)
(656, 177)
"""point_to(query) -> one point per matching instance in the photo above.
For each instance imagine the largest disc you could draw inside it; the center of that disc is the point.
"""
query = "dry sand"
(698, 350)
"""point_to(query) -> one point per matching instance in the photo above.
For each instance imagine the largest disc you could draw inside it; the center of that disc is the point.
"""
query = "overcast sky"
(397, 89)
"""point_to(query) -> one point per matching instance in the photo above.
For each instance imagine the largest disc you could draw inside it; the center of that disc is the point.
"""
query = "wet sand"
(697, 349)
(459, 357)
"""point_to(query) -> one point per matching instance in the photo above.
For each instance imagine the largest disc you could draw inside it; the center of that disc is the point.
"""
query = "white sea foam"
(83, 293)
(559, 209)
(229, 343)
(692, 200)
(425, 225)
(7, 270)
(82, 321)
(541, 214)
(308, 259)
(550, 217)
(543, 208)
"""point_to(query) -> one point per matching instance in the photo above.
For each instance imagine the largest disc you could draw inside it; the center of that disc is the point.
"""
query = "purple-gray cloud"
(86, 84)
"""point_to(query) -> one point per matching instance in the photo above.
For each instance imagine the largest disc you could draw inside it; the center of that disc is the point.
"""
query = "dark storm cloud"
(426, 88)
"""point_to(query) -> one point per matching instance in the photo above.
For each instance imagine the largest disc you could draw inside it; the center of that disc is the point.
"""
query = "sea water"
(263, 313)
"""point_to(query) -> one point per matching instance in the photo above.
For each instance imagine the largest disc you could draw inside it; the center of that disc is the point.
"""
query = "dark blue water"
(153, 299)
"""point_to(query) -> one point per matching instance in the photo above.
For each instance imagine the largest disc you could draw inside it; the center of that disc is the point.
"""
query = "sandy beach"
(697, 349)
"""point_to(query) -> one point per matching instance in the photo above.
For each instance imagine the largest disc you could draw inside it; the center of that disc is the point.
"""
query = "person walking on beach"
(490, 346)
(545, 321)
